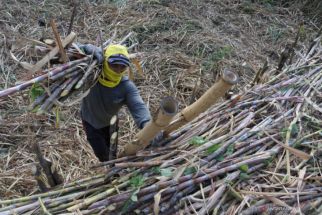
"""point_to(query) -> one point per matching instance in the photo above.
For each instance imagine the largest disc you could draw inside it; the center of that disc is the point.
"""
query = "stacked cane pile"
(259, 152)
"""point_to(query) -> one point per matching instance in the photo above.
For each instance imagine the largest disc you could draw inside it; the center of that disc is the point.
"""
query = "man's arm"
(90, 49)
(137, 107)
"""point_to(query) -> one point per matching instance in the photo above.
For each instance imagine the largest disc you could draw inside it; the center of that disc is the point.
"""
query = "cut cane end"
(169, 106)
(230, 77)
(64, 93)
(78, 85)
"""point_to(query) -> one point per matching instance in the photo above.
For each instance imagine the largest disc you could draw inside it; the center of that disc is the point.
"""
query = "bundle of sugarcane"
(60, 81)
(259, 152)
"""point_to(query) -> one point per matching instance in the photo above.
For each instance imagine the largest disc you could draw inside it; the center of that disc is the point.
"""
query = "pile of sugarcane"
(60, 81)
(259, 152)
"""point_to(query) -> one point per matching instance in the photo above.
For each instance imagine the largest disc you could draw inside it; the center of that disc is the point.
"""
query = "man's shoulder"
(125, 78)
(126, 81)
(128, 84)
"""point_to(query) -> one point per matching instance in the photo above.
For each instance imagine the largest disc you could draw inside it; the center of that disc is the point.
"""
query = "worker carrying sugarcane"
(108, 95)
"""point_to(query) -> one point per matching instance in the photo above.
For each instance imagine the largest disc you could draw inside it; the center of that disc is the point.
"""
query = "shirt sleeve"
(137, 107)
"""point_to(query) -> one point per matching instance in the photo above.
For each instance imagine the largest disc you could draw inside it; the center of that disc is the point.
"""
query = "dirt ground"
(184, 43)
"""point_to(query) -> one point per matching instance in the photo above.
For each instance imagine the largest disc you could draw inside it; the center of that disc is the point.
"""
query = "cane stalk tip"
(78, 86)
(64, 93)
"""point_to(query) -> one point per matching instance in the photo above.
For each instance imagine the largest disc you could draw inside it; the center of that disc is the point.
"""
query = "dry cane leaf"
(300, 179)
(315, 106)
(53, 52)
(277, 201)
(137, 64)
(24, 65)
(156, 206)
(130, 74)
(178, 172)
(294, 151)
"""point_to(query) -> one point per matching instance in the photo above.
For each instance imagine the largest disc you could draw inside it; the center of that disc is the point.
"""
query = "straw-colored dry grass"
(183, 42)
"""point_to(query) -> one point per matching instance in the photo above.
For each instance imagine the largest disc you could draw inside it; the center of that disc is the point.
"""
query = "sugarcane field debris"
(235, 86)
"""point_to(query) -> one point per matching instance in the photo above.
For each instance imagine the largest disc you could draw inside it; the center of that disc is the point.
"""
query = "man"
(110, 93)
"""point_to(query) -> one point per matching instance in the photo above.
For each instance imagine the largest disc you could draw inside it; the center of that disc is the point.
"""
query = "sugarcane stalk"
(43, 207)
(96, 198)
(21, 209)
(87, 73)
(249, 147)
(50, 193)
(122, 42)
(41, 98)
(62, 207)
(54, 96)
(58, 204)
(69, 86)
(38, 79)
(166, 207)
(184, 181)
(315, 206)
(13, 206)
(210, 158)
(110, 162)
(65, 72)
(89, 179)
(215, 197)
(139, 164)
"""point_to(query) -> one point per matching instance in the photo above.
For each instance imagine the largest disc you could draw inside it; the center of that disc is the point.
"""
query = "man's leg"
(98, 139)
(113, 137)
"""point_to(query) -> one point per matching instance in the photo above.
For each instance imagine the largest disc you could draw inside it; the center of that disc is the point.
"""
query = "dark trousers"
(99, 139)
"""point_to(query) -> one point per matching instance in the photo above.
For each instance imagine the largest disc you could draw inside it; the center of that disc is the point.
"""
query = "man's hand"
(90, 49)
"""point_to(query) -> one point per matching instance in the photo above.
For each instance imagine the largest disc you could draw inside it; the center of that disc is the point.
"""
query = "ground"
(184, 43)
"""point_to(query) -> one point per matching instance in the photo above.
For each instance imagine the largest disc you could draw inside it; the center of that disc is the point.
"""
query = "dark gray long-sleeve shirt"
(103, 102)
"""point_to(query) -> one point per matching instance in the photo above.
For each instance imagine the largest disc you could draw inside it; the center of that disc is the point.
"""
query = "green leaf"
(294, 130)
(197, 140)
(134, 198)
(244, 168)
(126, 206)
(284, 130)
(220, 158)
(268, 161)
(213, 148)
(230, 150)
(190, 170)
(137, 181)
(244, 176)
(156, 170)
(36, 91)
(283, 133)
(128, 202)
(167, 172)
(35, 109)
